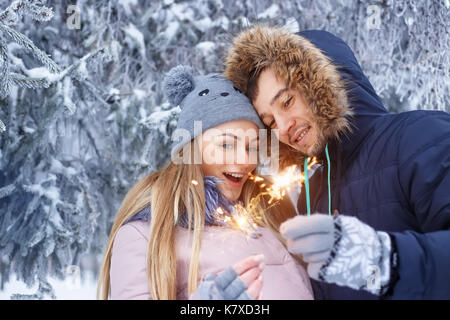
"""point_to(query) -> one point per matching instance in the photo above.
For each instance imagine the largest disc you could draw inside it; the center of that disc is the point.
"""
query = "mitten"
(225, 286)
(342, 250)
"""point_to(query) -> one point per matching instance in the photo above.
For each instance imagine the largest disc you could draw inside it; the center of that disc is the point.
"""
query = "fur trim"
(301, 64)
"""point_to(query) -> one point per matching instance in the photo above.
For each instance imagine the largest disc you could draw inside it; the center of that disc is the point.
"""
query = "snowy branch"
(11, 14)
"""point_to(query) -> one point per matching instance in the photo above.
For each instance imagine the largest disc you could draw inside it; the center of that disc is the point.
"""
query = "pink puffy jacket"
(283, 277)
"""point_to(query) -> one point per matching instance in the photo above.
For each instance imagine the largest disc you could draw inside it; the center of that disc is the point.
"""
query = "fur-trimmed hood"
(323, 68)
(300, 64)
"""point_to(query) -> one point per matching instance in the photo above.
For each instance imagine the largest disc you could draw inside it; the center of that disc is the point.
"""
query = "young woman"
(171, 238)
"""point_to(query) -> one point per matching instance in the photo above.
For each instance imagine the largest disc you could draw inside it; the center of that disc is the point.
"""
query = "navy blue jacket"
(393, 173)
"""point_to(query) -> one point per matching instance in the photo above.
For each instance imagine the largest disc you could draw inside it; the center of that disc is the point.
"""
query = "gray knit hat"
(211, 99)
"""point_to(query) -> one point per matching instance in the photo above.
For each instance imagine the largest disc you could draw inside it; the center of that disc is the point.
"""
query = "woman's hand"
(249, 271)
(242, 281)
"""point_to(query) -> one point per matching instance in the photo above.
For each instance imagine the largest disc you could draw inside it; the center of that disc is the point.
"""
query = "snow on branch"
(51, 72)
(28, 44)
(32, 7)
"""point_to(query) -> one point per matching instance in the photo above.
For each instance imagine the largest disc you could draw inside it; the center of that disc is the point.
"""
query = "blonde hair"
(169, 192)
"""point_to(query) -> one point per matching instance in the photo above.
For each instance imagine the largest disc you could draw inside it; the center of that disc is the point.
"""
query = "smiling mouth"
(300, 135)
(234, 177)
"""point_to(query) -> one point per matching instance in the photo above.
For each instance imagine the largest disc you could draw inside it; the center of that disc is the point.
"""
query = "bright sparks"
(282, 182)
(243, 218)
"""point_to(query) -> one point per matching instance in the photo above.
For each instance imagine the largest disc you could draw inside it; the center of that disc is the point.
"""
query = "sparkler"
(238, 219)
(247, 219)
(282, 182)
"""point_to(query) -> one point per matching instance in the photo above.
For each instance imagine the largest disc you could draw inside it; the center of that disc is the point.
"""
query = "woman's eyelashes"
(229, 146)
(226, 143)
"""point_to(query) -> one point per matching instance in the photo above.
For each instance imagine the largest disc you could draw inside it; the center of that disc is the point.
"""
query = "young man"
(387, 174)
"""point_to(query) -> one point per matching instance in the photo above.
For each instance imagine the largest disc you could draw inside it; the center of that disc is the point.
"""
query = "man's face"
(284, 109)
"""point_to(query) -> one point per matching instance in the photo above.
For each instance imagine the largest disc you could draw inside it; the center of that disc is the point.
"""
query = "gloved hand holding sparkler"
(343, 250)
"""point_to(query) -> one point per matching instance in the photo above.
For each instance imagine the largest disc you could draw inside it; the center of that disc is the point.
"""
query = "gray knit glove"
(225, 286)
(341, 250)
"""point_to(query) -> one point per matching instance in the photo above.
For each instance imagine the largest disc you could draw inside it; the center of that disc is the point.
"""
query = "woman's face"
(230, 152)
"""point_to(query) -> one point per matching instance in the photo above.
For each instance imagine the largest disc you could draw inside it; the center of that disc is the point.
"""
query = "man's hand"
(341, 250)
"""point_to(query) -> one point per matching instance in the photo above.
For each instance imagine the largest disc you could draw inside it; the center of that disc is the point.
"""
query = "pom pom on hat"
(178, 83)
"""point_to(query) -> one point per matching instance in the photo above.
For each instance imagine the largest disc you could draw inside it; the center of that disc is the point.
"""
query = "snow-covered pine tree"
(63, 176)
(42, 229)
(10, 17)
